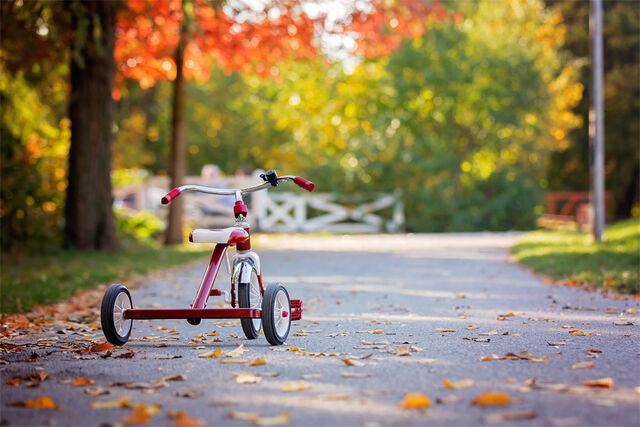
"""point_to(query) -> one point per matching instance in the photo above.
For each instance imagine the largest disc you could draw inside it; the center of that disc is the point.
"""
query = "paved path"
(364, 297)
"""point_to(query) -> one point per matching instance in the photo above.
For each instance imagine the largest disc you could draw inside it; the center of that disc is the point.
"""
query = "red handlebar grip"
(170, 196)
(306, 184)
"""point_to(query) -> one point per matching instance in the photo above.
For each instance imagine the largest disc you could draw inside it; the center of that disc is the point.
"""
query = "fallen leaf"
(415, 349)
(490, 399)
(246, 378)
(42, 402)
(180, 419)
(582, 365)
(441, 330)
(602, 382)
(458, 385)
(141, 414)
(401, 351)
(508, 416)
(577, 332)
(80, 381)
(237, 352)
(350, 362)
(257, 419)
(189, 394)
(15, 381)
(295, 386)
(623, 322)
(211, 354)
(525, 355)
(414, 401)
(258, 361)
(556, 343)
(268, 374)
(356, 375)
(472, 327)
(175, 377)
(565, 422)
(494, 332)
(310, 376)
(100, 347)
(111, 404)
(334, 396)
(96, 391)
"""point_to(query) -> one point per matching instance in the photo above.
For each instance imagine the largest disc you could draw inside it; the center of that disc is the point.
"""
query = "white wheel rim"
(280, 304)
(121, 324)
(255, 299)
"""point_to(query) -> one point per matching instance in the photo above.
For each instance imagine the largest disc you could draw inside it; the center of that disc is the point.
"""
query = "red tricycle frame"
(248, 298)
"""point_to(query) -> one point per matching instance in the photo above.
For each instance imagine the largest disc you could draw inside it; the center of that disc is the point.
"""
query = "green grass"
(28, 280)
(575, 258)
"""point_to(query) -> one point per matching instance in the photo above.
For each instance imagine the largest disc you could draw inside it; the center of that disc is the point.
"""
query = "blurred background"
(415, 116)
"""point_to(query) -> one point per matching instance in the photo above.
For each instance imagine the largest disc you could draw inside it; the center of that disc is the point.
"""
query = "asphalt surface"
(364, 296)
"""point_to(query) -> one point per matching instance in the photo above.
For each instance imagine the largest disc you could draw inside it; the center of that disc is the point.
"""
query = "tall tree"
(89, 219)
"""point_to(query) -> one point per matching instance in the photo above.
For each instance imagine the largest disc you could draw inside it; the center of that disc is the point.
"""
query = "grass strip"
(574, 258)
(29, 280)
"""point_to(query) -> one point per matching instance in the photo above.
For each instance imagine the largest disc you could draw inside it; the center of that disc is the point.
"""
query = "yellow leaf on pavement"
(180, 419)
(211, 354)
(80, 381)
(233, 361)
(490, 399)
(141, 414)
(258, 361)
(295, 386)
(458, 385)
(42, 402)
(414, 401)
(472, 327)
(602, 382)
(246, 378)
(582, 365)
(350, 362)
(111, 404)
(445, 330)
(237, 352)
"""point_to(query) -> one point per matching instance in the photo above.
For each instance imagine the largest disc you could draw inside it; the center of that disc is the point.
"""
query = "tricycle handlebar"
(171, 195)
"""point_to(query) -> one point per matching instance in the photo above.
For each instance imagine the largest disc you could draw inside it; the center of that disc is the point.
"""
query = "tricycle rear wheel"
(250, 296)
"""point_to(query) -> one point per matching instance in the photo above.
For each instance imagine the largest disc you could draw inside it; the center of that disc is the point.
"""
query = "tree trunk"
(89, 219)
(178, 153)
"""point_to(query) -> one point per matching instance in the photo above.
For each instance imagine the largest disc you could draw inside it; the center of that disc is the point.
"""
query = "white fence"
(273, 210)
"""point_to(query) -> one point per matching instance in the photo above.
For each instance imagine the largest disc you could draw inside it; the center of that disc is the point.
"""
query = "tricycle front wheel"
(276, 313)
(115, 327)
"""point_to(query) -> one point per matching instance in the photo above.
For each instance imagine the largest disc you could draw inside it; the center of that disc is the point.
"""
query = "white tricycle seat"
(229, 235)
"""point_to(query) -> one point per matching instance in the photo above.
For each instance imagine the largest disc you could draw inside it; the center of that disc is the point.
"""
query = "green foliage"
(140, 227)
(46, 279)
(574, 257)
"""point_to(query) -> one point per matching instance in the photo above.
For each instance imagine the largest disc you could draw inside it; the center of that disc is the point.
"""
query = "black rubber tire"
(268, 319)
(106, 315)
(244, 301)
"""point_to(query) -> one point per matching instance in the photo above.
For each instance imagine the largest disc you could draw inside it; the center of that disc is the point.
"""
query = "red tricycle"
(257, 307)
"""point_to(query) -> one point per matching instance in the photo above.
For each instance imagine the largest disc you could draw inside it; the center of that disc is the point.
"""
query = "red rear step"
(296, 309)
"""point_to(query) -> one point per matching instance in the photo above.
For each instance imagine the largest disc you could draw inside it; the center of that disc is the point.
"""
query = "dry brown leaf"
(42, 402)
(237, 352)
(268, 374)
(577, 332)
(602, 382)
(525, 355)
(111, 404)
(442, 330)
(310, 376)
(180, 419)
(508, 416)
(258, 361)
(246, 378)
(494, 332)
(96, 391)
(80, 382)
(141, 414)
(15, 381)
(100, 347)
(414, 401)
(211, 354)
(334, 396)
(401, 351)
(189, 394)
(175, 377)
(350, 362)
(582, 365)
(623, 322)
(472, 327)
(458, 385)
(257, 419)
(490, 399)
(295, 386)
(356, 375)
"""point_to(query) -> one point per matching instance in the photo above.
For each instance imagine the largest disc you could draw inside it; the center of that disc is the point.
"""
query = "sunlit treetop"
(254, 36)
